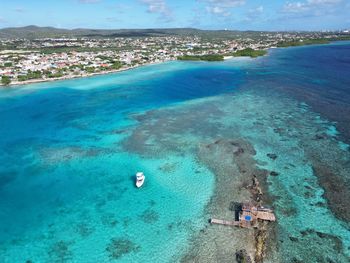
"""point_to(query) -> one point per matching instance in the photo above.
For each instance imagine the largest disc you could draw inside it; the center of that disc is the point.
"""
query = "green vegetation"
(202, 58)
(116, 65)
(8, 64)
(5, 80)
(249, 52)
(51, 75)
(30, 75)
(22, 78)
(303, 42)
(90, 69)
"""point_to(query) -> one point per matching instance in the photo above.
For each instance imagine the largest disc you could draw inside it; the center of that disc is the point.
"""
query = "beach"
(32, 81)
(67, 77)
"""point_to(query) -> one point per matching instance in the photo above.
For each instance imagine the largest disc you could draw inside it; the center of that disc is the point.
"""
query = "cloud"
(159, 7)
(225, 3)
(89, 1)
(222, 7)
(217, 10)
(19, 10)
(258, 10)
(2, 20)
(254, 13)
(113, 19)
(295, 7)
(324, 1)
(315, 7)
(196, 18)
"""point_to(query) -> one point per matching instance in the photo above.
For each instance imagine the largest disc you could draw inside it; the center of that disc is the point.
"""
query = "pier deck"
(224, 222)
(248, 217)
(264, 215)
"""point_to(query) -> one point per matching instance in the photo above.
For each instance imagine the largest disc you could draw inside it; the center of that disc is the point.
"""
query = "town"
(42, 59)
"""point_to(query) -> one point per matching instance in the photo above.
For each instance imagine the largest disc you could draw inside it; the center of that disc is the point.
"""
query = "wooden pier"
(223, 222)
(248, 216)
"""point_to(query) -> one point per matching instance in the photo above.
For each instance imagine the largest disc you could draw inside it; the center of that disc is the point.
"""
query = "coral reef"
(119, 247)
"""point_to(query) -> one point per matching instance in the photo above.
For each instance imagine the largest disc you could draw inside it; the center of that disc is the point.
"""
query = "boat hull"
(140, 183)
(140, 179)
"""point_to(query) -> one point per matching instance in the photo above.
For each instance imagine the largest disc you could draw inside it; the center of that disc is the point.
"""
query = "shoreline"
(68, 77)
(87, 75)
(33, 81)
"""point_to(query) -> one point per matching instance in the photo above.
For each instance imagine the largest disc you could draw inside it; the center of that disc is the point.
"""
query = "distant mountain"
(33, 32)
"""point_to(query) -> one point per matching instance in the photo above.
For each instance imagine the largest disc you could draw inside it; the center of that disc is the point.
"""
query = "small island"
(249, 52)
(213, 57)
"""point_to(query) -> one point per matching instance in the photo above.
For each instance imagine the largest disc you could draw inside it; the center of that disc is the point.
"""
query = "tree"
(5, 80)
(249, 52)
(116, 65)
(22, 78)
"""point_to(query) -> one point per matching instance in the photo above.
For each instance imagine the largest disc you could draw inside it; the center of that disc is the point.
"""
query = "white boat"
(140, 179)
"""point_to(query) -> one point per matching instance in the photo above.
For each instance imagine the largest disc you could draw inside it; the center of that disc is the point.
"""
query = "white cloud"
(19, 10)
(159, 7)
(222, 7)
(217, 10)
(322, 2)
(316, 6)
(225, 3)
(113, 19)
(89, 1)
(254, 14)
(258, 10)
(295, 7)
(155, 6)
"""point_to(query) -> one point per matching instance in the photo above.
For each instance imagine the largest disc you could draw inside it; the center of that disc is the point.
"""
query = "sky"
(203, 14)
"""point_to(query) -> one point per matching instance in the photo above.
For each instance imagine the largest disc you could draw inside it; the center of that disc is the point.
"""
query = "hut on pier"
(247, 216)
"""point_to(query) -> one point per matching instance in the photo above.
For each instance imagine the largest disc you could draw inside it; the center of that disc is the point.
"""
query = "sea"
(69, 152)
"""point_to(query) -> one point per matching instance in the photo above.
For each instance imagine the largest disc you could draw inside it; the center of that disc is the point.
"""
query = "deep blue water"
(318, 75)
(66, 181)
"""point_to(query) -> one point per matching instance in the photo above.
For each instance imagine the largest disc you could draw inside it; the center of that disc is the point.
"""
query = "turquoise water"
(67, 186)
(69, 151)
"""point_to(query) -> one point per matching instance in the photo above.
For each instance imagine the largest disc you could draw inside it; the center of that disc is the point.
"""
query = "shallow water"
(67, 185)
(307, 229)
(69, 150)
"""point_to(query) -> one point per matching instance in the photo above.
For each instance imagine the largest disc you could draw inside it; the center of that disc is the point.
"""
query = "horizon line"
(164, 28)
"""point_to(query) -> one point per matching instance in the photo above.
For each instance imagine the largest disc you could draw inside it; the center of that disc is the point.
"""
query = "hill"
(34, 32)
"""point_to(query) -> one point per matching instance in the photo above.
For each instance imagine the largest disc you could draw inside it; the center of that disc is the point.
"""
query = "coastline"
(87, 75)
(225, 58)
(68, 77)
(33, 81)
